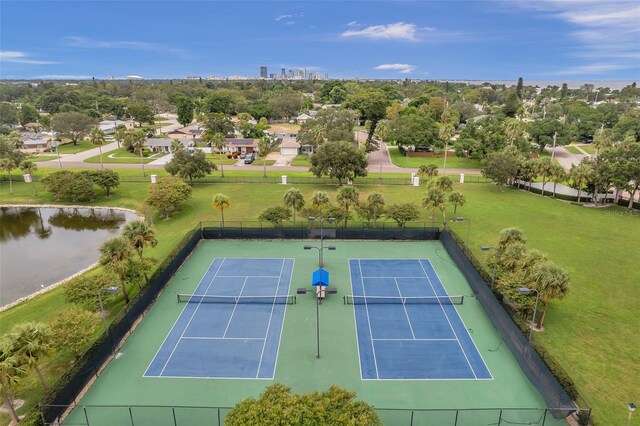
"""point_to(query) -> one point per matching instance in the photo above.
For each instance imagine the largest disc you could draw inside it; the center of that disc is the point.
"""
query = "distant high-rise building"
(272, 76)
(283, 73)
(290, 74)
(263, 72)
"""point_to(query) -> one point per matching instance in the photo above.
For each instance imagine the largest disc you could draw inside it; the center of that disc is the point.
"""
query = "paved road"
(564, 157)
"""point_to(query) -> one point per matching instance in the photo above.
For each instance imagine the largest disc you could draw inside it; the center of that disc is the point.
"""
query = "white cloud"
(289, 18)
(21, 58)
(83, 42)
(403, 68)
(395, 31)
(607, 32)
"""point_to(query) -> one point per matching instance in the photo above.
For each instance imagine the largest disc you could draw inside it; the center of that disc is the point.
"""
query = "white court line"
(411, 340)
(192, 315)
(447, 317)
(222, 338)
(461, 320)
(364, 293)
(269, 323)
(406, 314)
(284, 314)
(247, 276)
(394, 277)
(234, 308)
(355, 319)
(176, 321)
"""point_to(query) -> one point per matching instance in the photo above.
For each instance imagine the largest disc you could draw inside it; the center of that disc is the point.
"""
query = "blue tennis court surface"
(410, 341)
(228, 340)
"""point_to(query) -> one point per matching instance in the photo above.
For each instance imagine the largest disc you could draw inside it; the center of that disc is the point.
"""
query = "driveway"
(564, 157)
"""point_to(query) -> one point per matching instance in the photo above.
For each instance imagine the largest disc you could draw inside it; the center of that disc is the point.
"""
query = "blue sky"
(481, 39)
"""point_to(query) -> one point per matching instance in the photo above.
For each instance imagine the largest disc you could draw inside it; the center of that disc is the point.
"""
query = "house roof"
(162, 142)
(303, 117)
(35, 142)
(289, 143)
(241, 142)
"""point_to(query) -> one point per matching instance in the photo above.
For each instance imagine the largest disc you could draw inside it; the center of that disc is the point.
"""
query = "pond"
(41, 246)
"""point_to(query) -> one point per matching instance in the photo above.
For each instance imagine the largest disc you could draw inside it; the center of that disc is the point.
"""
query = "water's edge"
(88, 268)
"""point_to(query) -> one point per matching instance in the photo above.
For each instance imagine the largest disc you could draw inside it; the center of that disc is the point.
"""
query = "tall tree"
(402, 213)
(167, 194)
(348, 197)
(372, 105)
(7, 165)
(217, 141)
(264, 146)
(427, 171)
(140, 113)
(275, 215)
(579, 175)
(372, 208)
(220, 202)
(218, 123)
(544, 167)
(139, 234)
(443, 183)
(184, 110)
(319, 203)
(75, 329)
(558, 175)
(551, 282)
(435, 199)
(333, 124)
(32, 340)
(445, 133)
(30, 167)
(509, 236)
(136, 139)
(12, 369)
(96, 136)
(294, 199)
(457, 199)
(519, 88)
(189, 166)
(501, 167)
(115, 257)
(341, 160)
(72, 125)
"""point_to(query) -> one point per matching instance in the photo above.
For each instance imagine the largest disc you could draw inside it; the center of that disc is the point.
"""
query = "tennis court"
(231, 326)
(407, 325)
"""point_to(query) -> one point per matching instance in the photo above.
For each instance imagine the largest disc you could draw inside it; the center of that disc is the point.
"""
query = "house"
(110, 126)
(241, 145)
(35, 144)
(289, 146)
(302, 118)
(164, 144)
(285, 134)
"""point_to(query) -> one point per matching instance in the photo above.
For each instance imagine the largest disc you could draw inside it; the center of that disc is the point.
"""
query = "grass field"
(121, 155)
(70, 148)
(572, 149)
(593, 332)
(215, 158)
(122, 383)
(39, 158)
(588, 148)
(301, 160)
(415, 162)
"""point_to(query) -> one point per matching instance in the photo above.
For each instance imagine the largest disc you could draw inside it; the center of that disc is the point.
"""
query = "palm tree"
(443, 183)
(136, 139)
(319, 201)
(139, 234)
(445, 133)
(220, 202)
(12, 369)
(265, 148)
(294, 199)
(217, 141)
(33, 341)
(115, 256)
(347, 196)
(30, 167)
(457, 199)
(434, 199)
(513, 129)
(120, 135)
(509, 236)
(579, 175)
(551, 282)
(427, 171)
(558, 175)
(96, 136)
(544, 167)
(376, 204)
(176, 146)
(7, 164)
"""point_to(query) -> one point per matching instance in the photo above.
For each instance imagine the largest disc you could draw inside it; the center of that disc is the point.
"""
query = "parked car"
(249, 159)
(243, 155)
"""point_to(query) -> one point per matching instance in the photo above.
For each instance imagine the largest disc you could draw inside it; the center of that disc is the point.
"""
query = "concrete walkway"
(564, 157)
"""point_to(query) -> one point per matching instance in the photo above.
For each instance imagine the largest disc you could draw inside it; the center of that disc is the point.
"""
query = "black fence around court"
(543, 371)
(561, 402)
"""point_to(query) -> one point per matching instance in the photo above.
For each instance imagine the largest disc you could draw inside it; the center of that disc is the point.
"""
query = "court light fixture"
(632, 407)
(308, 247)
(485, 248)
(331, 247)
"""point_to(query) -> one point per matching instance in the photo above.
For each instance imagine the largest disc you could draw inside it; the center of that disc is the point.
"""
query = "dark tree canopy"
(72, 125)
(189, 166)
(340, 160)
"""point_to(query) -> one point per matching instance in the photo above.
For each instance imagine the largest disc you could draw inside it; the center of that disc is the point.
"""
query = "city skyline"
(429, 40)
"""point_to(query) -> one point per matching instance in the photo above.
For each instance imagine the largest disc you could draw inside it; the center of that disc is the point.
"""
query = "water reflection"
(40, 246)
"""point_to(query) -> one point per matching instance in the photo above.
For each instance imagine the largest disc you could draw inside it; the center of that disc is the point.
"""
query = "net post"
(462, 300)
(178, 297)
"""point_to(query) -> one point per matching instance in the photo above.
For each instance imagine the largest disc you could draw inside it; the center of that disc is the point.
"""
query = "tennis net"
(383, 300)
(265, 300)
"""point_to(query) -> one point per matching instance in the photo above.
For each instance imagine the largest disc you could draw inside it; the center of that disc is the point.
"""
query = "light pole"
(113, 289)
(461, 219)
(526, 291)
(56, 144)
(495, 263)
(632, 408)
(322, 247)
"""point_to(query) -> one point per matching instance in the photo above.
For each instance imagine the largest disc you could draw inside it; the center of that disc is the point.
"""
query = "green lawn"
(301, 160)
(592, 332)
(215, 158)
(39, 158)
(121, 155)
(588, 148)
(70, 148)
(415, 162)
(572, 149)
